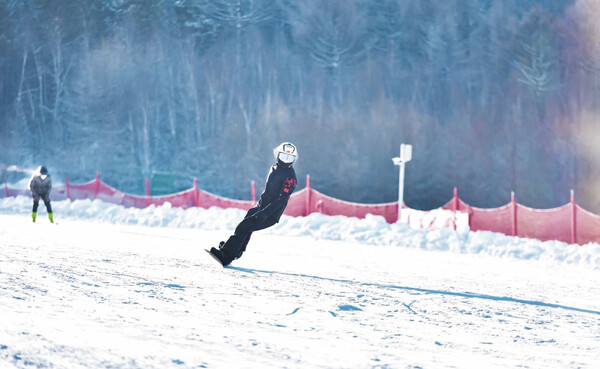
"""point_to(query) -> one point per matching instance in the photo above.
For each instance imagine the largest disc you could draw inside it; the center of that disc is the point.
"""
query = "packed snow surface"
(108, 287)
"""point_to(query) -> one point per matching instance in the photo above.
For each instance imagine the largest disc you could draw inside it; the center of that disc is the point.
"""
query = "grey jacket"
(40, 186)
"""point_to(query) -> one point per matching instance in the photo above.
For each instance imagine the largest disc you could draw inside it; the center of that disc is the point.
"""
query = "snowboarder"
(281, 182)
(40, 186)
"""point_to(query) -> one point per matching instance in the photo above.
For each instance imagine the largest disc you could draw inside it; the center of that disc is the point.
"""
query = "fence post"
(307, 212)
(456, 205)
(68, 193)
(6, 186)
(573, 218)
(253, 187)
(148, 192)
(196, 195)
(97, 186)
(513, 207)
(456, 202)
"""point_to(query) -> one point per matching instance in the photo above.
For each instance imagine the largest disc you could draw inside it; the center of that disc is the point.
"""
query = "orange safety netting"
(568, 223)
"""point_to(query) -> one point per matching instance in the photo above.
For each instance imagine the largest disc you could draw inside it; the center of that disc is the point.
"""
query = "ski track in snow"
(86, 294)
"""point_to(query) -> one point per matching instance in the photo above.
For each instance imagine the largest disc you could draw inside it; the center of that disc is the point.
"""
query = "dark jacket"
(40, 186)
(281, 182)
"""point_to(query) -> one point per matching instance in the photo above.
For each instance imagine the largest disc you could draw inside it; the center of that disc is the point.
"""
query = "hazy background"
(494, 96)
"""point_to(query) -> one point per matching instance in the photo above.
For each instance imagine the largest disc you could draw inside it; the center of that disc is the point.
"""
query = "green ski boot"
(33, 216)
(51, 217)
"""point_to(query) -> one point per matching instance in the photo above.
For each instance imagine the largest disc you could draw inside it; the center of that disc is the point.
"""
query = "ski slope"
(109, 287)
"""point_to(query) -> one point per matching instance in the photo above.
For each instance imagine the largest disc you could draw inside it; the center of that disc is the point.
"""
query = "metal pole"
(148, 201)
(405, 156)
(196, 199)
(573, 218)
(97, 186)
(307, 206)
(513, 211)
(400, 190)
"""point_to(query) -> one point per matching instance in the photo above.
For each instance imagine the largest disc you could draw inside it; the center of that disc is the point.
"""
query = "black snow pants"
(236, 244)
(36, 202)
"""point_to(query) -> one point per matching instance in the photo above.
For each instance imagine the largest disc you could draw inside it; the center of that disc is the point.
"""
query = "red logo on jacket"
(289, 184)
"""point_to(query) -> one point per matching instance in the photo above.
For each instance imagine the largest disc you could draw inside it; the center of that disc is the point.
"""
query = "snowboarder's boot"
(220, 256)
(33, 216)
(51, 217)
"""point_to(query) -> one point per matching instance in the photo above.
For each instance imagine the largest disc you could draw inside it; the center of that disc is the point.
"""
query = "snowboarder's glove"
(260, 217)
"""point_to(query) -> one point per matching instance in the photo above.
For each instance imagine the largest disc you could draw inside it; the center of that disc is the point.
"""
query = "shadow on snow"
(423, 290)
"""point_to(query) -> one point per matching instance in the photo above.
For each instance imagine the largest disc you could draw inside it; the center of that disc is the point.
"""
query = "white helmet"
(286, 153)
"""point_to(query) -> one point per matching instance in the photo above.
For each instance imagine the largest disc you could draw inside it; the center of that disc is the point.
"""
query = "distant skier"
(40, 186)
(281, 182)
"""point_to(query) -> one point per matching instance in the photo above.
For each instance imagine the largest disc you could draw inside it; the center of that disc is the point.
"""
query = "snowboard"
(214, 257)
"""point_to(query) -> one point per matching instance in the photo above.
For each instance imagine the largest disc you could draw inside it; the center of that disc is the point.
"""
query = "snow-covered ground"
(109, 287)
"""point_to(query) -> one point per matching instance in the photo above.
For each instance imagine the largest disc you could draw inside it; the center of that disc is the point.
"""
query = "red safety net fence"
(568, 223)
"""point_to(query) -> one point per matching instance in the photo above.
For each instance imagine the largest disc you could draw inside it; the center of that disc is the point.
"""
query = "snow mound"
(373, 230)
